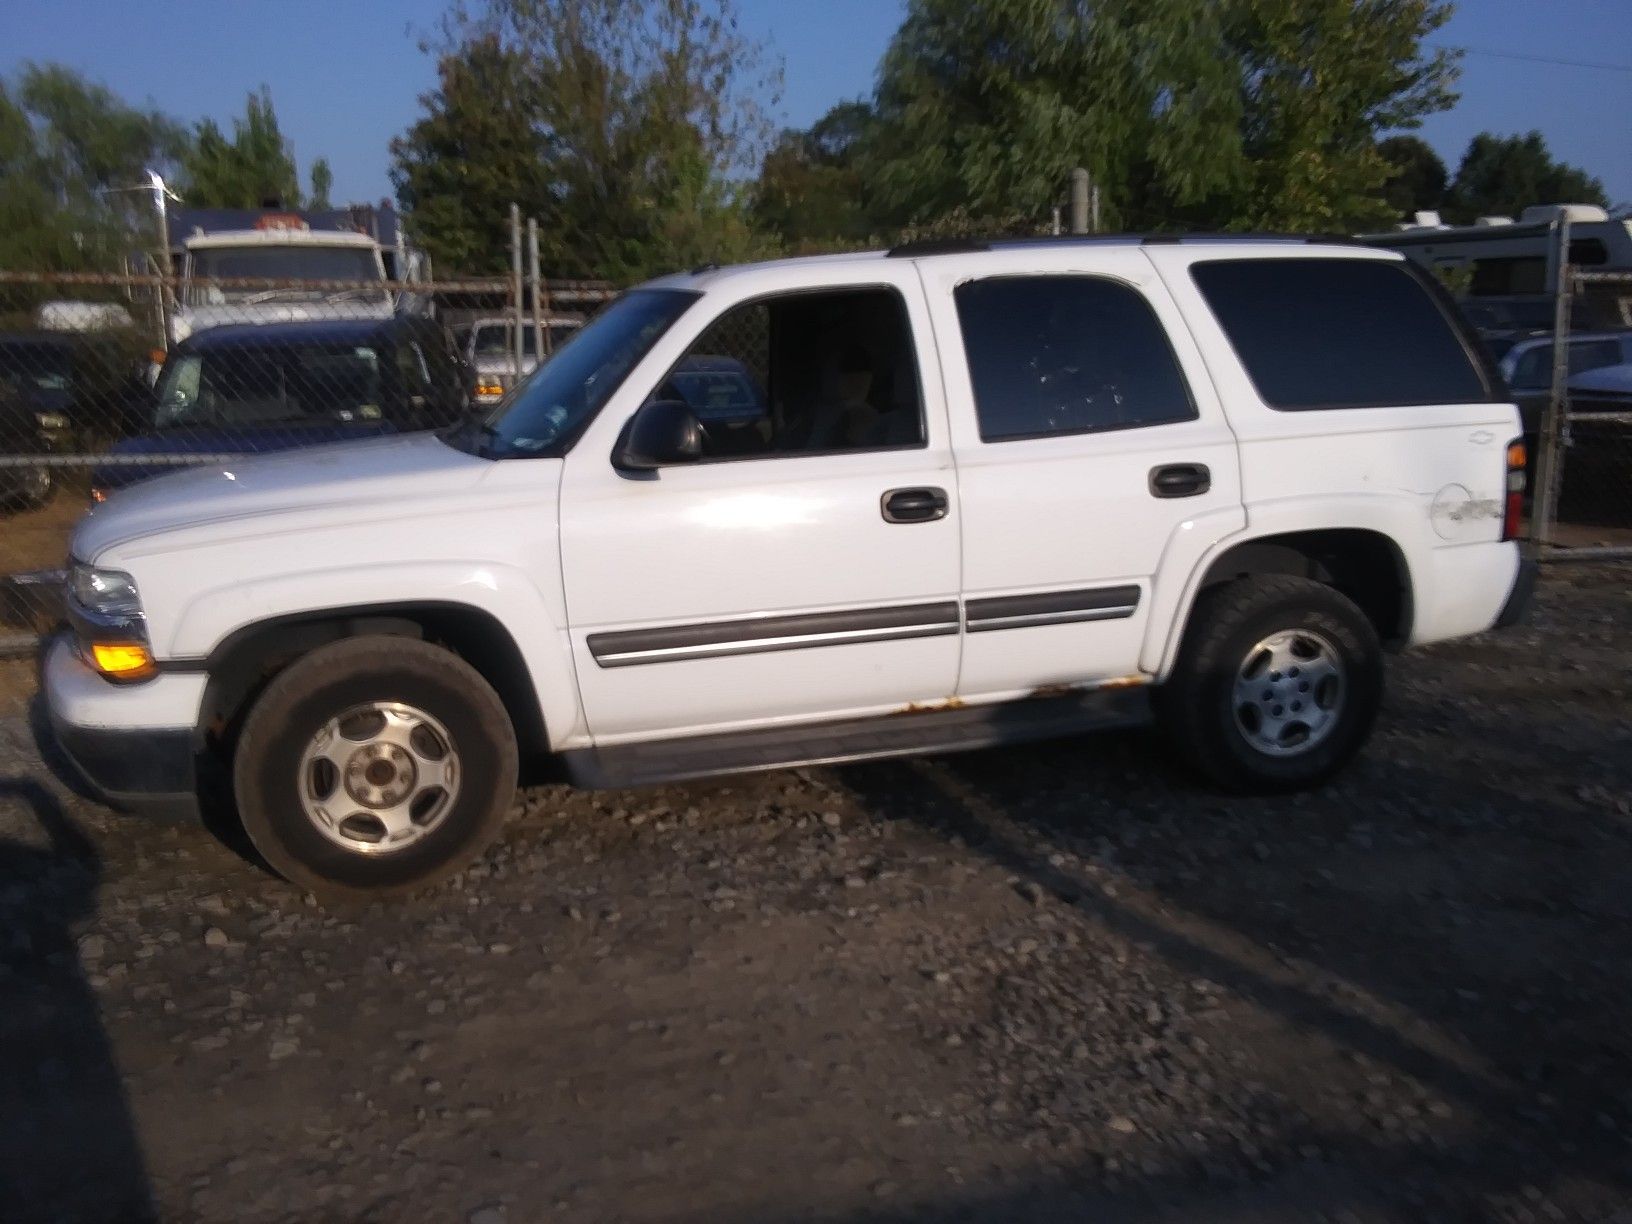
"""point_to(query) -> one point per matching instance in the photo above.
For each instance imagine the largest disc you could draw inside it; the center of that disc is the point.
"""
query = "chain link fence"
(1582, 505)
(107, 381)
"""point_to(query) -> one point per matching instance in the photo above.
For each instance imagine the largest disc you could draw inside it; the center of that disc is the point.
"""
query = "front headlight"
(107, 615)
(104, 592)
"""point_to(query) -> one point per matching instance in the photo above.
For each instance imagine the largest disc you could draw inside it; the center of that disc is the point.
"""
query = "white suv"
(973, 493)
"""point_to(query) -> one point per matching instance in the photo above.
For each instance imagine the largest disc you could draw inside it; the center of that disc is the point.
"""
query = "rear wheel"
(1277, 685)
(374, 766)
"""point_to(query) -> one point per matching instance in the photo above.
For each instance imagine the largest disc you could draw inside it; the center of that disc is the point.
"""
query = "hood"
(222, 444)
(404, 470)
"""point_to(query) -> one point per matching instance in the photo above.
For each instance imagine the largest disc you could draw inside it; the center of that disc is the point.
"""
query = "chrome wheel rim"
(1289, 692)
(379, 777)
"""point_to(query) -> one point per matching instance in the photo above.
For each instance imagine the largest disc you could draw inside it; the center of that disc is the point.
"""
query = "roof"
(380, 223)
(306, 331)
(254, 237)
(1238, 245)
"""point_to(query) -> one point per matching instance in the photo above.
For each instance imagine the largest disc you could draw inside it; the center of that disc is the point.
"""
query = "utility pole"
(1079, 201)
(538, 297)
(515, 288)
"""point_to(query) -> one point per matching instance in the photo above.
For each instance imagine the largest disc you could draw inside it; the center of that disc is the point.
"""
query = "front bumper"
(134, 744)
(1518, 599)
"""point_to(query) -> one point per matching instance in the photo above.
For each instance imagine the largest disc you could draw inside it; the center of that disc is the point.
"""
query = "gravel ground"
(1055, 983)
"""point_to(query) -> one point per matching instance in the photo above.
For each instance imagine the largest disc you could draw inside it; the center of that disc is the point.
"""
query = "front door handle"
(913, 505)
(1180, 480)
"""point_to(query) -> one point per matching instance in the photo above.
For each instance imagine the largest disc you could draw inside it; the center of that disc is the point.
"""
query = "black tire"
(1197, 704)
(38, 486)
(267, 774)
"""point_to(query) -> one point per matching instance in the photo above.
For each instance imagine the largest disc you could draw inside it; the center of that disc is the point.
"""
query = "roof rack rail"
(937, 246)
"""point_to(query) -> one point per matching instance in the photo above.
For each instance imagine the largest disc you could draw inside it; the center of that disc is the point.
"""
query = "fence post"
(1079, 201)
(519, 320)
(1554, 424)
(533, 281)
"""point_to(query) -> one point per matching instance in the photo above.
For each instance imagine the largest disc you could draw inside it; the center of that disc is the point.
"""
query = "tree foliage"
(1417, 177)
(812, 187)
(69, 152)
(620, 124)
(1501, 175)
(477, 148)
(1237, 114)
(322, 185)
(254, 169)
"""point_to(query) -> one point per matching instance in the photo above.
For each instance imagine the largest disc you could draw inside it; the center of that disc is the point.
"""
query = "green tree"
(480, 146)
(322, 185)
(1503, 175)
(812, 189)
(1417, 177)
(254, 169)
(69, 150)
(637, 118)
(1236, 114)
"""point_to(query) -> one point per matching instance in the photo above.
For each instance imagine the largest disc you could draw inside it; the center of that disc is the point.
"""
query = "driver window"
(802, 374)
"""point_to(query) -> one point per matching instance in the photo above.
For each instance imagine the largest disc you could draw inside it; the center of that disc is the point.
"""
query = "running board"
(910, 733)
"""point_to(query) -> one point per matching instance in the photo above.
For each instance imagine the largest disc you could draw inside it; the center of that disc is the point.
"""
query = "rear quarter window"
(1339, 333)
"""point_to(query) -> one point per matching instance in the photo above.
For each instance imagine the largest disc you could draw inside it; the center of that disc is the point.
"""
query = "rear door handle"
(913, 505)
(1180, 480)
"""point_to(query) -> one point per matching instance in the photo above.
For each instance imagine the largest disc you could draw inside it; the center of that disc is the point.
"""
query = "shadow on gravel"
(1471, 940)
(68, 1147)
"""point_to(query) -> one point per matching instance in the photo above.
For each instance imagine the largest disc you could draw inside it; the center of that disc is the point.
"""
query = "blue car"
(246, 390)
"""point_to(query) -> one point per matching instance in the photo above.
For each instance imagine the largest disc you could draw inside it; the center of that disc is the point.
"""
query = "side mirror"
(662, 433)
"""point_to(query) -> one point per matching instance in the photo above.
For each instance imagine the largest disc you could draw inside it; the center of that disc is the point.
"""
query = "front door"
(807, 566)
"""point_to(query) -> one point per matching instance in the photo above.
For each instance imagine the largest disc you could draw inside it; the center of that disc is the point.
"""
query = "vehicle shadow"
(68, 1145)
(1469, 942)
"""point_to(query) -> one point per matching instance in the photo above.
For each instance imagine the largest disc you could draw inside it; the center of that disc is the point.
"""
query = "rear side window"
(1339, 333)
(1066, 355)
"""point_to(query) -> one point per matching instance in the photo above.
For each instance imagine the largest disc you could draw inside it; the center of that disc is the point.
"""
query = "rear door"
(1093, 458)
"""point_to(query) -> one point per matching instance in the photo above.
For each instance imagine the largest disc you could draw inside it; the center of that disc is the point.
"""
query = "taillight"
(1513, 511)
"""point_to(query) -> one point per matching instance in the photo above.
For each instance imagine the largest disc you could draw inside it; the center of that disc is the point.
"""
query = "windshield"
(549, 406)
(493, 339)
(280, 262)
(44, 366)
(262, 384)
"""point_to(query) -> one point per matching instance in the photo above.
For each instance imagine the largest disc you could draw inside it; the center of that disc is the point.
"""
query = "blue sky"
(346, 74)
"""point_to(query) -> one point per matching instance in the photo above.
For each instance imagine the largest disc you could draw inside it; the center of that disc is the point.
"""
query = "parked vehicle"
(244, 390)
(490, 348)
(1528, 370)
(209, 298)
(83, 387)
(1000, 491)
(1598, 463)
(1510, 266)
(23, 486)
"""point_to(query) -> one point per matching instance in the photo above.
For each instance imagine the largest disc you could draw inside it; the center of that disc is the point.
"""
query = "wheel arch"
(241, 665)
(1364, 564)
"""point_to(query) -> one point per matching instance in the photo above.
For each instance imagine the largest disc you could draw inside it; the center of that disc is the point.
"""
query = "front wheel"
(374, 765)
(1277, 685)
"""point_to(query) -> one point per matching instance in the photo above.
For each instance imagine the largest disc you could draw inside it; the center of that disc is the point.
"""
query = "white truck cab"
(967, 494)
(351, 263)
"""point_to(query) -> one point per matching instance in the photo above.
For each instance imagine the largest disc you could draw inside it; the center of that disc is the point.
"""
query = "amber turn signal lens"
(122, 660)
(494, 389)
(1516, 457)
